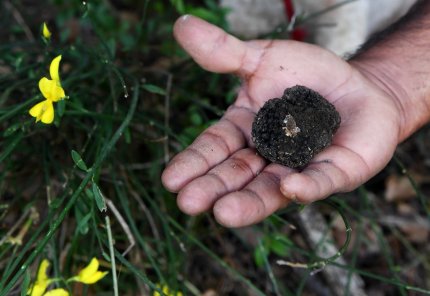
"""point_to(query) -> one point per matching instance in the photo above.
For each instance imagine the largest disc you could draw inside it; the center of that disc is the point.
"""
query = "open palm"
(221, 169)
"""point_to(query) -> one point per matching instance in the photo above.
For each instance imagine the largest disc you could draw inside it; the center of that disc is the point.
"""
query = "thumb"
(213, 49)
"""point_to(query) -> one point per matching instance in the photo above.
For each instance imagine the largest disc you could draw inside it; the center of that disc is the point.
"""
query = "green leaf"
(154, 89)
(205, 14)
(260, 254)
(279, 248)
(106, 256)
(61, 107)
(127, 136)
(78, 161)
(179, 6)
(111, 44)
(98, 196)
(55, 203)
(89, 193)
(82, 226)
(18, 63)
(284, 239)
(195, 118)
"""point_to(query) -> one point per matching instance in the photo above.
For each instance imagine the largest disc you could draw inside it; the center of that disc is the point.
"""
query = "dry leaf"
(398, 188)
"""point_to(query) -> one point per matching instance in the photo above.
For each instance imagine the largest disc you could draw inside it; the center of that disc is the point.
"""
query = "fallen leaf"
(399, 188)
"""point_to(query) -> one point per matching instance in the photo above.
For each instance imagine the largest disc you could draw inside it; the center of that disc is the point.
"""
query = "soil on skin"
(291, 130)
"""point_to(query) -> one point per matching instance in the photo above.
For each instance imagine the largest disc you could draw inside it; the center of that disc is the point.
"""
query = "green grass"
(89, 184)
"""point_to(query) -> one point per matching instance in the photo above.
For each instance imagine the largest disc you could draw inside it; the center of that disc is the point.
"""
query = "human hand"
(221, 170)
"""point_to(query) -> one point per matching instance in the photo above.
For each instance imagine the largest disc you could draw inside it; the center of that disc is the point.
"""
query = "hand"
(221, 169)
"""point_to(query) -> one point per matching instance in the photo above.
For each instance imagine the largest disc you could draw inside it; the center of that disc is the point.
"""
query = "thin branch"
(20, 20)
(123, 224)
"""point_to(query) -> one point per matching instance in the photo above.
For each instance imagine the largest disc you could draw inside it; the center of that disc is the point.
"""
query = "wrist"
(389, 80)
(396, 60)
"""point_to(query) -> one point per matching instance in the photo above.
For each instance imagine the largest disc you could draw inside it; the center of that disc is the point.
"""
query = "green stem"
(112, 256)
(322, 262)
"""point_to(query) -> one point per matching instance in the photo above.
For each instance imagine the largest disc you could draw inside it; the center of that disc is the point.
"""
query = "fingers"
(258, 200)
(214, 49)
(231, 175)
(213, 146)
(240, 192)
(337, 169)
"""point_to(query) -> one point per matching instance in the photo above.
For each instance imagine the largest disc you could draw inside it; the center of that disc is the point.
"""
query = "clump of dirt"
(291, 130)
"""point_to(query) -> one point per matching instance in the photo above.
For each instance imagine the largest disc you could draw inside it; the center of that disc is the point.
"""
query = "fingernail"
(185, 17)
(293, 197)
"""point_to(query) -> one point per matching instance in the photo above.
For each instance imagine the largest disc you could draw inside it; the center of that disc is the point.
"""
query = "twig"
(147, 213)
(123, 224)
(16, 225)
(112, 256)
(292, 264)
(314, 228)
(20, 20)
(142, 205)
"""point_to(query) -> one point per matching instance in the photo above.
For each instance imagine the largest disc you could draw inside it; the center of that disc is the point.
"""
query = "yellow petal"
(45, 31)
(43, 111)
(94, 278)
(57, 292)
(36, 110)
(51, 90)
(166, 291)
(41, 272)
(48, 114)
(90, 269)
(42, 280)
(54, 69)
(37, 289)
(90, 274)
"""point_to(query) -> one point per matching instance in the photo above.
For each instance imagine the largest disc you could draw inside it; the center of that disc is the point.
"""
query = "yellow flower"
(43, 111)
(52, 91)
(54, 70)
(90, 274)
(42, 280)
(166, 291)
(45, 31)
(57, 292)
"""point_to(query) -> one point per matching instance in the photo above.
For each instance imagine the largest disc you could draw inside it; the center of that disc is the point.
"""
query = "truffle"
(291, 130)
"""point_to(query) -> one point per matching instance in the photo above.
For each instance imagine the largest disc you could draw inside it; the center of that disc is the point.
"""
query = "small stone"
(291, 130)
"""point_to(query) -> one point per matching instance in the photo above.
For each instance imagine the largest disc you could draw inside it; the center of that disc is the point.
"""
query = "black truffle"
(292, 129)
